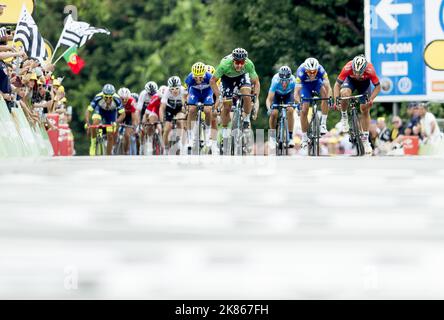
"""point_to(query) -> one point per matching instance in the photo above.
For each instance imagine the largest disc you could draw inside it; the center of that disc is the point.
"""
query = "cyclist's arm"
(336, 90)
(135, 118)
(269, 100)
(257, 86)
(162, 112)
(327, 85)
(214, 86)
(297, 94)
(121, 113)
(375, 92)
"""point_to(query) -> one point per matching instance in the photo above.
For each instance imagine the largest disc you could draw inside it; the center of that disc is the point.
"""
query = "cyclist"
(149, 105)
(311, 77)
(106, 105)
(146, 96)
(214, 116)
(281, 92)
(131, 116)
(236, 71)
(358, 75)
(198, 85)
(135, 96)
(173, 101)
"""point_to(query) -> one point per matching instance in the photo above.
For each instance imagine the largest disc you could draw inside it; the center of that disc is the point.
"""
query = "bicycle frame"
(282, 140)
(355, 128)
(314, 133)
(237, 131)
(100, 138)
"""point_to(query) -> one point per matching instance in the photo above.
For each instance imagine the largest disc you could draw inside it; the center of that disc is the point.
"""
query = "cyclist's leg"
(364, 88)
(208, 102)
(169, 115)
(289, 99)
(96, 121)
(324, 107)
(347, 89)
(228, 85)
(109, 117)
(127, 135)
(245, 88)
(306, 92)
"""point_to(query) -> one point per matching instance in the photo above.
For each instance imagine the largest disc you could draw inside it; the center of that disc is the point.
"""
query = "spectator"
(398, 129)
(413, 113)
(429, 126)
(383, 131)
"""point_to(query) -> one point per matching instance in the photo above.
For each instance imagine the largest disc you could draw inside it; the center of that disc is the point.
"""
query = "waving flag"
(74, 61)
(28, 34)
(77, 33)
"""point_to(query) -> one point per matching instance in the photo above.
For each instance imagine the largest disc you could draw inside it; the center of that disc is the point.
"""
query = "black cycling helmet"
(239, 54)
(108, 89)
(135, 96)
(284, 72)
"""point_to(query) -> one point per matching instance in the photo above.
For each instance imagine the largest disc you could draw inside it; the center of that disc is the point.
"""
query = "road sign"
(397, 35)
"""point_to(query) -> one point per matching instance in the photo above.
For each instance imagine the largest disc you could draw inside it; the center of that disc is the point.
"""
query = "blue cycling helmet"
(284, 72)
(108, 89)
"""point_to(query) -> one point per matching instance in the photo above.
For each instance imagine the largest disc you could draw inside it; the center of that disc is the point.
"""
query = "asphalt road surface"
(222, 228)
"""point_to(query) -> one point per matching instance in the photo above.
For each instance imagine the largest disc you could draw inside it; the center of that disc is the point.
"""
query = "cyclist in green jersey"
(236, 72)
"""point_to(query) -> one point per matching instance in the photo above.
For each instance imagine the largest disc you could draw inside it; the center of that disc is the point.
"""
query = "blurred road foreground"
(222, 228)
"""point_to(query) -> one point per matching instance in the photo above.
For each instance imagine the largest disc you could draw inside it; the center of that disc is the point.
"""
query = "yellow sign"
(11, 13)
(434, 55)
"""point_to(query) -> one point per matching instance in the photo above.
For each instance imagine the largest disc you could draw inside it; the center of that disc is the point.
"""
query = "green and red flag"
(74, 61)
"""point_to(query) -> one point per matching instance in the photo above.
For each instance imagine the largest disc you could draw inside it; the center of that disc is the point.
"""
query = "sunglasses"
(175, 88)
(239, 62)
(107, 96)
(200, 78)
(312, 72)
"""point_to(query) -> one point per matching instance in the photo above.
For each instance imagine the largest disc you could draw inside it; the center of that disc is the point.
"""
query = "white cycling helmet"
(151, 87)
(311, 64)
(124, 93)
(359, 64)
(174, 82)
(162, 91)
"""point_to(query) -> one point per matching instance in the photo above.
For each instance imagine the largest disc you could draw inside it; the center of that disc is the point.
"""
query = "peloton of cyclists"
(236, 73)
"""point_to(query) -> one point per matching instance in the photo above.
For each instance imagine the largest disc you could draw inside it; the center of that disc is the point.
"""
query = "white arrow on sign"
(386, 9)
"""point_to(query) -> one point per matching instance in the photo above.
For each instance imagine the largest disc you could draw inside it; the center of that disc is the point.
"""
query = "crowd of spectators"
(30, 84)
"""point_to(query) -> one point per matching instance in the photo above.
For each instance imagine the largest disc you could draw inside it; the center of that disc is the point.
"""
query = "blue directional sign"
(395, 46)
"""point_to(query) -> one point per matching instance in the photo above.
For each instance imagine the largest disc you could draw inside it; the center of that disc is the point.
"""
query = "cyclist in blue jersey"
(312, 77)
(281, 92)
(198, 86)
(105, 107)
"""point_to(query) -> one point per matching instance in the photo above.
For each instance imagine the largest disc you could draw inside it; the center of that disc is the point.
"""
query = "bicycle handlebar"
(352, 97)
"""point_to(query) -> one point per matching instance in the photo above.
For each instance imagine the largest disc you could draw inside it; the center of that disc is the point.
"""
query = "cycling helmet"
(151, 87)
(174, 82)
(135, 96)
(198, 69)
(162, 90)
(239, 54)
(108, 89)
(284, 72)
(311, 64)
(210, 69)
(359, 64)
(124, 93)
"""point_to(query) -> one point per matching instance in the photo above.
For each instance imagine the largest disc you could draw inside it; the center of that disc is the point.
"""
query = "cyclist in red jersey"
(149, 106)
(131, 116)
(358, 75)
